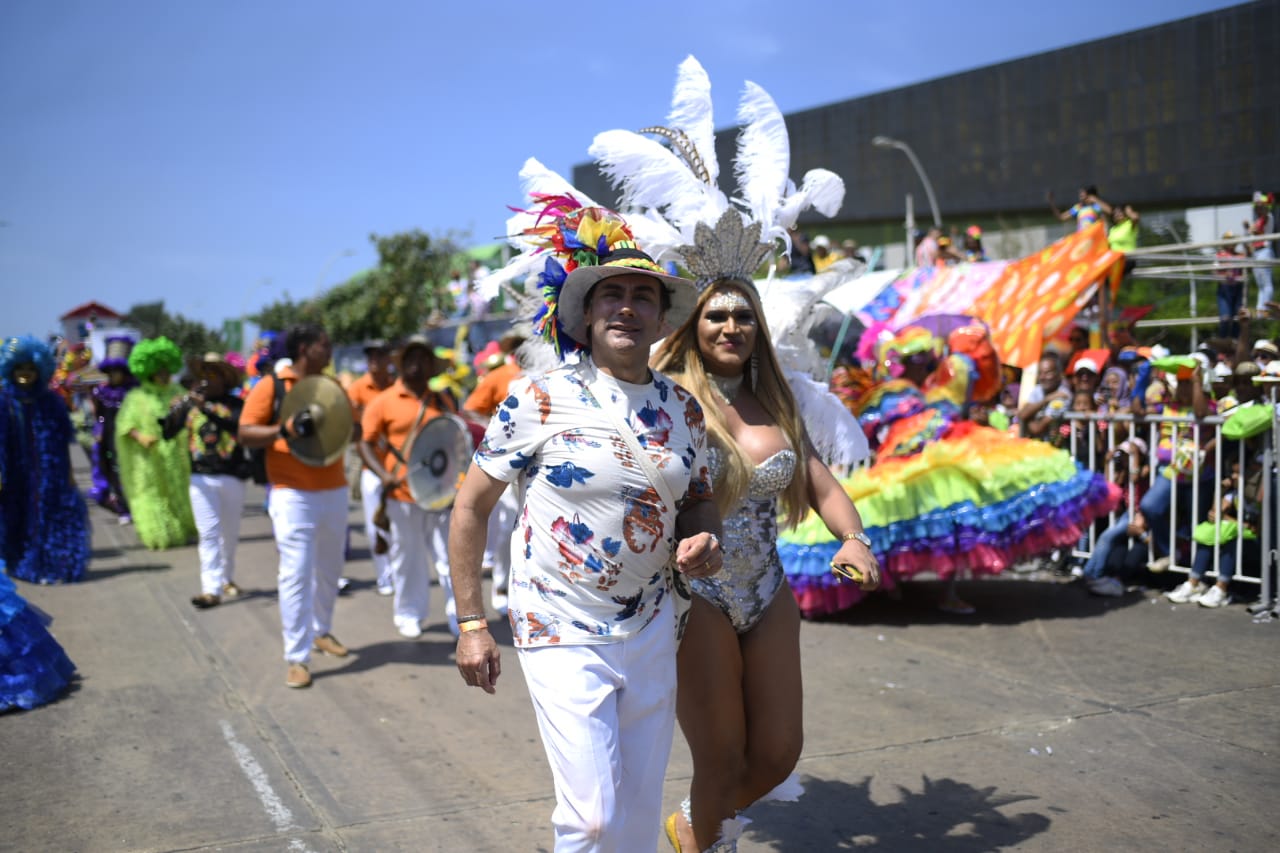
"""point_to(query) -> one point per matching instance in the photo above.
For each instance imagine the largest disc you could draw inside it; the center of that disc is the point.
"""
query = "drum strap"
(413, 431)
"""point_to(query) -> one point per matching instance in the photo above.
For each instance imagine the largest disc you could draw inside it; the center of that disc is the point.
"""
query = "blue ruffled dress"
(33, 667)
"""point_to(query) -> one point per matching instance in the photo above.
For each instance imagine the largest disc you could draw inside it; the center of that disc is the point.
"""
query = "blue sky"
(221, 155)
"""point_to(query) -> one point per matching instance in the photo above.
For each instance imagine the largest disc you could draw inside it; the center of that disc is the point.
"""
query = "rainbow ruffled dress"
(945, 495)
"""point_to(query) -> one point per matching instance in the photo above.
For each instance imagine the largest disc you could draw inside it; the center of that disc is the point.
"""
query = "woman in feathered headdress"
(45, 523)
(155, 471)
(744, 623)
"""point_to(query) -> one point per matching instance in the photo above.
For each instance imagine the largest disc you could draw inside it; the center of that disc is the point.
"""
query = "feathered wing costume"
(155, 478)
(945, 495)
(44, 523)
(33, 667)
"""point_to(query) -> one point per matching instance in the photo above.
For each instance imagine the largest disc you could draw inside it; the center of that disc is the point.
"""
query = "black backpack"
(258, 455)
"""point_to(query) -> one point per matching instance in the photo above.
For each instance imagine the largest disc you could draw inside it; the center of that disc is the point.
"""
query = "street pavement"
(1049, 720)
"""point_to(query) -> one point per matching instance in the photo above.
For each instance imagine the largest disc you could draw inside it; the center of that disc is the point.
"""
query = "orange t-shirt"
(284, 470)
(390, 417)
(492, 389)
(362, 391)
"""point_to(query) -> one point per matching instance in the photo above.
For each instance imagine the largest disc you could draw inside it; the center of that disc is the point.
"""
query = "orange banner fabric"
(1040, 293)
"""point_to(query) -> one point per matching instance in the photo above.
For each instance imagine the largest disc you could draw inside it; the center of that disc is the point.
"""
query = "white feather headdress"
(675, 187)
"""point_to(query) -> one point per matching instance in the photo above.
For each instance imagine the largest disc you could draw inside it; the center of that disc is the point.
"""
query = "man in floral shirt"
(592, 604)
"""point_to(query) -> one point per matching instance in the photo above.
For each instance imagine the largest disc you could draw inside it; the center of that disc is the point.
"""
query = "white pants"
(607, 714)
(1262, 275)
(217, 502)
(309, 529)
(370, 491)
(502, 523)
(418, 544)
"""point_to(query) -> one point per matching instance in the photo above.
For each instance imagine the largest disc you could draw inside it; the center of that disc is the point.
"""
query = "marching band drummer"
(418, 536)
(308, 507)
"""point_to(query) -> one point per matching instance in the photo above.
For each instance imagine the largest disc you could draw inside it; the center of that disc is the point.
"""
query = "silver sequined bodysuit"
(752, 573)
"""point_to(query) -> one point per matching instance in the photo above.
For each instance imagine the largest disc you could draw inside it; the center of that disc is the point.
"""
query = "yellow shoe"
(671, 831)
(329, 645)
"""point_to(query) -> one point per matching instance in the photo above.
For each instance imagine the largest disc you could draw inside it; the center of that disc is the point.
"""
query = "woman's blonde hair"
(679, 357)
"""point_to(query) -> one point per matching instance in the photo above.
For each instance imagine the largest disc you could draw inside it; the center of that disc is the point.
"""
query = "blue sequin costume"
(33, 667)
(44, 523)
(752, 573)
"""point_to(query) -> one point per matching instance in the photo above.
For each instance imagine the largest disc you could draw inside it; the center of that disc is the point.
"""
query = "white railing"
(1119, 427)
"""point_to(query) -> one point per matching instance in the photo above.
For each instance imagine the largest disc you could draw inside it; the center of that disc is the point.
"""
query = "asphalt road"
(1048, 721)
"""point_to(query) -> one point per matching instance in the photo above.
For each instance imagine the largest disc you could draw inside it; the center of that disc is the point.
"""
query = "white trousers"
(217, 502)
(1263, 277)
(607, 714)
(370, 489)
(309, 529)
(419, 542)
(502, 523)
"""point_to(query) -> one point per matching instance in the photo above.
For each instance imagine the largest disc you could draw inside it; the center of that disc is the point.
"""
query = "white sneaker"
(409, 629)
(1184, 592)
(1110, 587)
(1215, 597)
(1158, 565)
(386, 590)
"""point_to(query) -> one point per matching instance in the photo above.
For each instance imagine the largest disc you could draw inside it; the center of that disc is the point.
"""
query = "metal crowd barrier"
(1119, 427)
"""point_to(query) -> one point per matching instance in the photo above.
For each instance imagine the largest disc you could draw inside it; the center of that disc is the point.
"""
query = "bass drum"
(436, 461)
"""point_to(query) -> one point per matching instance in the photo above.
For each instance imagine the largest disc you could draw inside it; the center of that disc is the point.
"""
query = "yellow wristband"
(473, 625)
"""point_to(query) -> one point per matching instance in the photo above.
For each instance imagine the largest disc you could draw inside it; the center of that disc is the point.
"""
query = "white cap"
(1222, 370)
(821, 241)
(1086, 364)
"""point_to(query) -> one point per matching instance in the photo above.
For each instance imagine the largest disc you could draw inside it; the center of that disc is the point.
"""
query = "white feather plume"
(832, 428)
(651, 175)
(823, 190)
(691, 112)
(763, 159)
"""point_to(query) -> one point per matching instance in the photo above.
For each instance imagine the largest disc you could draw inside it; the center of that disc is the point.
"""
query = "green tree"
(192, 337)
(283, 313)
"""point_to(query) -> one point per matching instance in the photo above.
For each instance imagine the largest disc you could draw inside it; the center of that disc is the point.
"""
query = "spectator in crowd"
(1084, 375)
(1087, 210)
(927, 248)
(1222, 533)
(1047, 400)
(1230, 288)
(1122, 236)
(1112, 396)
(1121, 548)
(801, 262)
(973, 251)
(947, 255)
(1180, 458)
(851, 250)
(823, 257)
(1263, 250)
(1222, 386)
(1264, 352)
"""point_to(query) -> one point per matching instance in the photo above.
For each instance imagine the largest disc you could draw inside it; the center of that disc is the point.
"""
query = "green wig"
(152, 355)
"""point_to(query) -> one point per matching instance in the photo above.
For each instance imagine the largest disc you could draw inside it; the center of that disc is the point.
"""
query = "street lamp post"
(324, 271)
(889, 142)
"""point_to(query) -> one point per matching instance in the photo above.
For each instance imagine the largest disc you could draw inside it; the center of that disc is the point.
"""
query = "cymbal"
(331, 412)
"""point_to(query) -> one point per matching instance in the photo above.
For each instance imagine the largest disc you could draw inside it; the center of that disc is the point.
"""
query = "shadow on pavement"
(995, 602)
(365, 658)
(945, 816)
(96, 574)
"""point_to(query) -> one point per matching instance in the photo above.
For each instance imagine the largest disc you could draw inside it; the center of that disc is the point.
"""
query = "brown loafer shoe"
(204, 601)
(329, 645)
(297, 676)
(230, 590)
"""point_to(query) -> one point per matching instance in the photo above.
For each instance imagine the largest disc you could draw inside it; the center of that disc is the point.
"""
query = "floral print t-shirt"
(588, 555)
